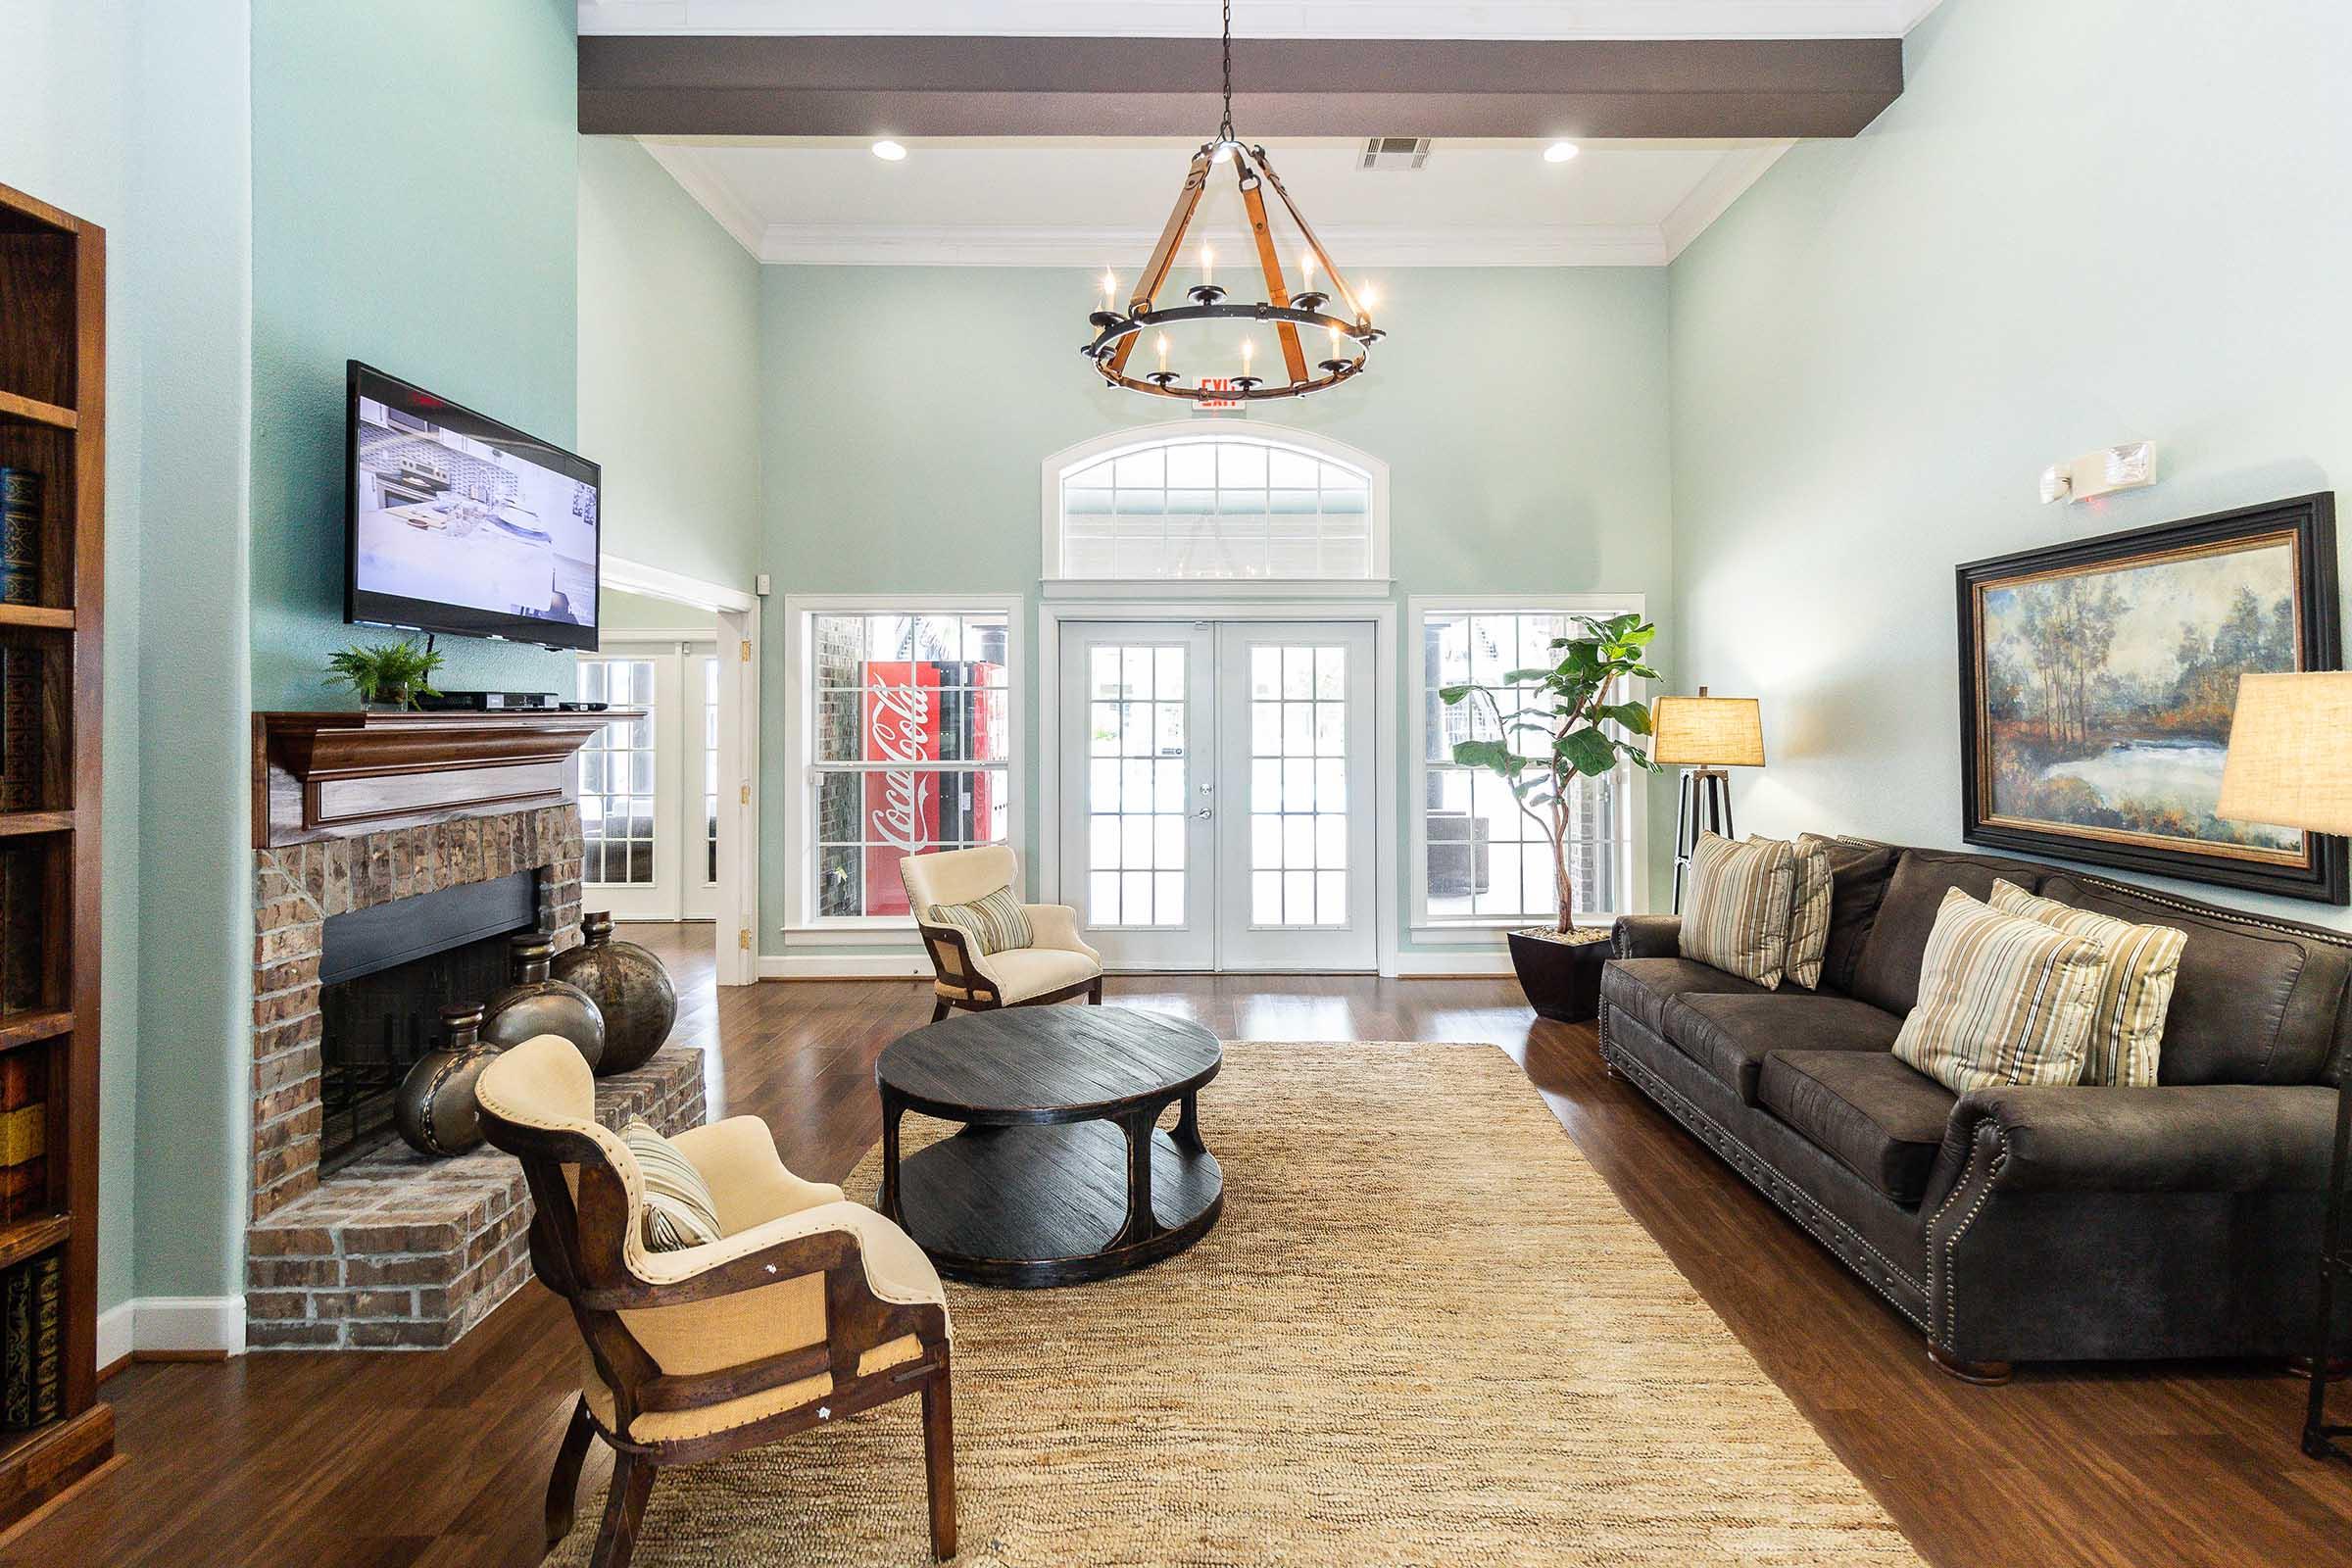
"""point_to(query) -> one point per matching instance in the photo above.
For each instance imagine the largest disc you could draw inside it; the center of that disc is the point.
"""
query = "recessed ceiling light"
(1559, 151)
(890, 152)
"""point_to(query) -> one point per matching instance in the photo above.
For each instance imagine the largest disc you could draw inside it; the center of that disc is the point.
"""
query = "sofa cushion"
(1644, 986)
(2251, 1005)
(1873, 1115)
(1730, 1035)
(1809, 912)
(1859, 870)
(2135, 987)
(1887, 974)
(1738, 917)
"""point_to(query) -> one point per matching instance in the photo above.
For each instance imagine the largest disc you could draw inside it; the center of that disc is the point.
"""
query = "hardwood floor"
(388, 1460)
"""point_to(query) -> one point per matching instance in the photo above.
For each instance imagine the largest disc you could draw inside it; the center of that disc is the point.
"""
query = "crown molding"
(1713, 195)
(1014, 245)
(710, 192)
(1596, 19)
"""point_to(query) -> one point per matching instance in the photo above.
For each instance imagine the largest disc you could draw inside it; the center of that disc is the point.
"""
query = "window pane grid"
(617, 776)
(911, 715)
(1217, 508)
(1137, 757)
(1298, 785)
(710, 771)
(1487, 859)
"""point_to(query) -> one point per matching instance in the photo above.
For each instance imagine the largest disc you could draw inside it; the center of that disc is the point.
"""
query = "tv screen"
(459, 524)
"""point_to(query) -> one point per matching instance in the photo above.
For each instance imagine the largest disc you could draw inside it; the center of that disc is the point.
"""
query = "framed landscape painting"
(2096, 685)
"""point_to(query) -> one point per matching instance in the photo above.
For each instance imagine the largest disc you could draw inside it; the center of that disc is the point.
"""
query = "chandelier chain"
(1225, 130)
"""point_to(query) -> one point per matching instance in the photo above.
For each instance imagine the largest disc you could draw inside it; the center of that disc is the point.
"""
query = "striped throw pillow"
(2002, 999)
(1738, 919)
(2143, 963)
(1809, 912)
(996, 923)
(679, 1210)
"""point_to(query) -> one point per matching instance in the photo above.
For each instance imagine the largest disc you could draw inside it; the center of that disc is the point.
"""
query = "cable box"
(486, 702)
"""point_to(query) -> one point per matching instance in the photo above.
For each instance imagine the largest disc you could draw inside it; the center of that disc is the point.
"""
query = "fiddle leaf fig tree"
(1551, 726)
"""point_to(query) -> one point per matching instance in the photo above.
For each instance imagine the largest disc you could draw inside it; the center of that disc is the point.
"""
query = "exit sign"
(1216, 405)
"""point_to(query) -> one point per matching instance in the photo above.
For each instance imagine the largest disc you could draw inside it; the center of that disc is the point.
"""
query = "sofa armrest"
(2206, 1138)
(1646, 936)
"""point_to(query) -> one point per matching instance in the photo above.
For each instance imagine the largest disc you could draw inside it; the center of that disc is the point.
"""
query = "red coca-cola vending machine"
(912, 708)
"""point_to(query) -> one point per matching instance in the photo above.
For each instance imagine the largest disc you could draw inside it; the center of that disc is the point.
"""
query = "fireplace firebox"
(385, 972)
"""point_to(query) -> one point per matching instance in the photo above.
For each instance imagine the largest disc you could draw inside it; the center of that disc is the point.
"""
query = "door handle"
(1204, 813)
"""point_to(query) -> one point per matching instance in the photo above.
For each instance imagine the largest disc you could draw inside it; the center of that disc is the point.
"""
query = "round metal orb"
(537, 1004)
(434, 1110)
(628, 985)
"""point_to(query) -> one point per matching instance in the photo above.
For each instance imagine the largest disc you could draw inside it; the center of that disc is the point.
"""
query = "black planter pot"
(1562, 981)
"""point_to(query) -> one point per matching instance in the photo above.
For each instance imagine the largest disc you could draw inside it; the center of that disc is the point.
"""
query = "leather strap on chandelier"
(1349, 337)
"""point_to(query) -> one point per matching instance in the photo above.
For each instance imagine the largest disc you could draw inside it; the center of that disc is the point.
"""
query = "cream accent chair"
(806, 1309)
(1055, 965)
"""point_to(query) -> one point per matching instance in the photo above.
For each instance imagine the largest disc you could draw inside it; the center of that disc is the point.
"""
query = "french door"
(648, 787)
(1217, 793)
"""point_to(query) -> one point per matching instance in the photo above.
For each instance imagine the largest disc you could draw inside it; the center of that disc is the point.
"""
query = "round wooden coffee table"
(1059, 1174)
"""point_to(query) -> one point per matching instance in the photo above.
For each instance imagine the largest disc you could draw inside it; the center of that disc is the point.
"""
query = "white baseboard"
(171, 1325)
(844, 967)
(1479, 962)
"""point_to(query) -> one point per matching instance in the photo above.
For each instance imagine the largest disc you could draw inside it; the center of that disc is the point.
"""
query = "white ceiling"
(1265, 19)
(1084, 203)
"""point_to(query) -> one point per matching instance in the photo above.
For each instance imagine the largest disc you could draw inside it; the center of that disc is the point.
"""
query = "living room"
(1157, 581)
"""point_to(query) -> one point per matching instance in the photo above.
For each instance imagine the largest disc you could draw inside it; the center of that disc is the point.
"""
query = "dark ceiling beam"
(864, 86)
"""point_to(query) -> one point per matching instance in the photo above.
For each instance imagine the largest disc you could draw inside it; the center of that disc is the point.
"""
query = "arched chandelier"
(1347, 340)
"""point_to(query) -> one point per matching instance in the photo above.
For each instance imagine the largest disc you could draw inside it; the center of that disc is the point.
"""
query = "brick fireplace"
(392, 1249)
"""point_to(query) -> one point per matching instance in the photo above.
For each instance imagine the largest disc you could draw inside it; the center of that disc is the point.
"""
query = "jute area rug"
(1423, 1333)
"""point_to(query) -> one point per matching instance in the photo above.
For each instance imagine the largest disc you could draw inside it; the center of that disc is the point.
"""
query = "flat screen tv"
(457, 523)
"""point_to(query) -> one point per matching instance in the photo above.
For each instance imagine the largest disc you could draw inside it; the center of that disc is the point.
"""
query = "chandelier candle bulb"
(1164, 351)
(1208, 263)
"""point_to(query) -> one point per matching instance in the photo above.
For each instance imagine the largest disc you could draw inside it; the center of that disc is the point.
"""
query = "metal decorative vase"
(628, 985)
(537, 1004)
(435, 1111)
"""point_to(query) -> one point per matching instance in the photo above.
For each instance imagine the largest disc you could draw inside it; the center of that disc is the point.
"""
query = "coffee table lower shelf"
(1027, 1207)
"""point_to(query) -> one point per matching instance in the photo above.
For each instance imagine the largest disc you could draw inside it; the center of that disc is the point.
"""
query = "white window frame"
(1482, 930)
(1176, 433)
(800, 740)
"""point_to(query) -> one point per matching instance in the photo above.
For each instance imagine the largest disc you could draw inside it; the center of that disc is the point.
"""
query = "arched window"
(1215, 503)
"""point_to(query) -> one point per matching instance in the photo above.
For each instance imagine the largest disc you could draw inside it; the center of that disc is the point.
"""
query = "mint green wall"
(623, 612)
(669, 370)
(2085, 222)
(907, 409)
(415, 203)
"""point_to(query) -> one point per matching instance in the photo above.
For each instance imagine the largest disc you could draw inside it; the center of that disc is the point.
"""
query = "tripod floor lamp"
(1705, 735)
(2290, 766)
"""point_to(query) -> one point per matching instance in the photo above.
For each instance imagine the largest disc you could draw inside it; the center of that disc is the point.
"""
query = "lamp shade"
(1705, 731)
(2290, 753)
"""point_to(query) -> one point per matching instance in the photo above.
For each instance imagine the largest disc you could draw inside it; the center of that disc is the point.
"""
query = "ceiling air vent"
(1397, 153)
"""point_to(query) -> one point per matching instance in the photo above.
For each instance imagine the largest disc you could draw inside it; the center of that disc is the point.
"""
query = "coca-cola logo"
(898, 729)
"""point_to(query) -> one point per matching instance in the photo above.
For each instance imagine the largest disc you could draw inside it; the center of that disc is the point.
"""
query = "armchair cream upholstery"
(1056, 964)
(806, 1307)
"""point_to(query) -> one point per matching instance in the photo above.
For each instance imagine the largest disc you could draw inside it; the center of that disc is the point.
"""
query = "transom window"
(1483, 859)
(1215, 505)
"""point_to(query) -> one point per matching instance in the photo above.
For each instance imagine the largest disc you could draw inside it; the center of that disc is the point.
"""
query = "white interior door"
(1296, 844)
(1217, 793)
(699, 782)
(630, 820)
(1139, 776)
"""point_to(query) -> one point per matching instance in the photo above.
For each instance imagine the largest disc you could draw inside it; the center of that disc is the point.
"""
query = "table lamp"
(1703, 735)
(2290, 766)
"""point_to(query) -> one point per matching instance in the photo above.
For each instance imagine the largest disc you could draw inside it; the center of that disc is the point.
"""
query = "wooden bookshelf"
(53, 422)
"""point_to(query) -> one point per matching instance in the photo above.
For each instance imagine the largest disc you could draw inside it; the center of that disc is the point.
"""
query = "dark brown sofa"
(2018, 1224)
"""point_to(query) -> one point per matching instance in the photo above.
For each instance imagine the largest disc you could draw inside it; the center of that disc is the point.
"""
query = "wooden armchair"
(806, 1309)
(1056, 964)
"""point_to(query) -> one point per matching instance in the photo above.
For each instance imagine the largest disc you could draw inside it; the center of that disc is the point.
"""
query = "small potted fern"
(388, 677)
(1549, 727)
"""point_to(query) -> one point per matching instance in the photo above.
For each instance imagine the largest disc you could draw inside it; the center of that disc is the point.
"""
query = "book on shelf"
(20, 536)
(23, 1134)
(32, 1343)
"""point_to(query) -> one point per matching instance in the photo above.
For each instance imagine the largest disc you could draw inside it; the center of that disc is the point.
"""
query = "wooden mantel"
(338, 775)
